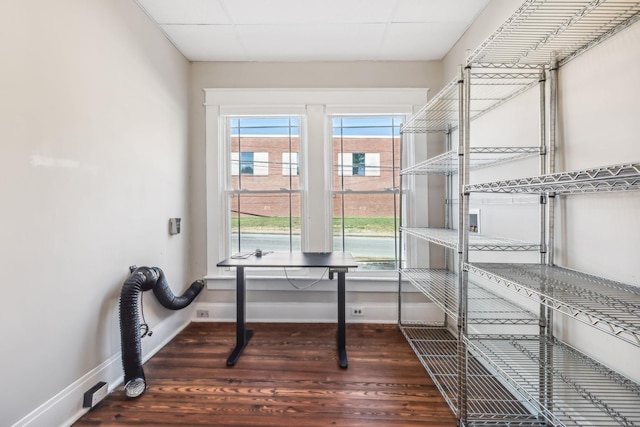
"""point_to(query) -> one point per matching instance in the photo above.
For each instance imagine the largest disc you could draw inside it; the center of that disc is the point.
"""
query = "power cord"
(246, 255)
(300, 288)
(243, 255)
(145, 331)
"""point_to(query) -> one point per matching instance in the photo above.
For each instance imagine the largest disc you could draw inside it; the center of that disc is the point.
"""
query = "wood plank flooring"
(287, 376)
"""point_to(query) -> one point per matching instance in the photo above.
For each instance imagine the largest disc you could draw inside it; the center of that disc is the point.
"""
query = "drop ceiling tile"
(308, 11)
(313, 30)
(185, 11)
(438, 10)
(419, 41)
(333, 42)
(207, 42)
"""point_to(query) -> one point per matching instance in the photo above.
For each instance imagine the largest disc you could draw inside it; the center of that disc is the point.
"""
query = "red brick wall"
(356, 205)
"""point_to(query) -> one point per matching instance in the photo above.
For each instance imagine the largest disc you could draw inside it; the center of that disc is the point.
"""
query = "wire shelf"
(488, 399)
(448, 238)
(484, 306)
(564, 385)
(610, 306)
(440, 114)
(492, 86)
(623, 177)
(447, 163)
(541, 30)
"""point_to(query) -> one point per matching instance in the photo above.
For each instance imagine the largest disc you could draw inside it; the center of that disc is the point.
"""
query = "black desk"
(336, 262)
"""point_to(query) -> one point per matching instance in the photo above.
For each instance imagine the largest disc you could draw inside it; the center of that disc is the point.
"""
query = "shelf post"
(553, 122)
(543, 166)
(400, 241)
(464, 107)
(544, 378)
(553, 111)
(448, 261)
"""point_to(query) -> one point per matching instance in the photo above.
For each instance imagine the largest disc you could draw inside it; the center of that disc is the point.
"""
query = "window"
(290, 164)
(320, 172)
(264, 209)
(359, 164)
(248, 163)
(365, 188)
(266, 213)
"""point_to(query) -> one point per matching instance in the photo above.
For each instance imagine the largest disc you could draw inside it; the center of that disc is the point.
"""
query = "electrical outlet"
(95, 394)
(200, 313)
(357, 311)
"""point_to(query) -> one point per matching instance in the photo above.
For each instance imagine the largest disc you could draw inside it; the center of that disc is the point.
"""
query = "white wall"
(93, 163)
(599, 234)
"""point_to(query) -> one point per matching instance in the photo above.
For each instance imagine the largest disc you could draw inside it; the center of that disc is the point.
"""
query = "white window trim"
(345, 164)
(312, 103)
(290, 164)
(372, 164)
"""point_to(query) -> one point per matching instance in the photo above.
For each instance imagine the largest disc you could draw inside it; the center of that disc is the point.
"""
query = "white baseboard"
(65, 407)
(318, 312)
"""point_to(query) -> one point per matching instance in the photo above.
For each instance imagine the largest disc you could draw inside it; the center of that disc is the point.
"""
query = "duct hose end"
(135, 387)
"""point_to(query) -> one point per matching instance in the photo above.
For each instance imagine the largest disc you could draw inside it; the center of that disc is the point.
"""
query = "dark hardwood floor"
(287, 376)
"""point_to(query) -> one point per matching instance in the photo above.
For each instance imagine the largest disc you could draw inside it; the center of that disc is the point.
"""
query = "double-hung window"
(310, 170)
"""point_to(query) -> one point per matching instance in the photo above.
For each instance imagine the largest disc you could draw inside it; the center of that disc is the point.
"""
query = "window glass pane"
(367, 229)
(264, 168)
(366, 162)
(259, 147)
(246, 163)
(358, 163)
(366, 153)
(264, 126)
(366, 126)
(270, 222)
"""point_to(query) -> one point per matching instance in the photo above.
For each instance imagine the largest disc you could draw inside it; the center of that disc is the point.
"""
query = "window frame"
(316, 107)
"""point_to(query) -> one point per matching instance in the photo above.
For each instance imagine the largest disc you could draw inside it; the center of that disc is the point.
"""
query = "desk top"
(293, 259)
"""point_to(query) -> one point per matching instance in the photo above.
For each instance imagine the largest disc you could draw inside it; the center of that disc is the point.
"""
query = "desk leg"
(342, 338)
(242, 334)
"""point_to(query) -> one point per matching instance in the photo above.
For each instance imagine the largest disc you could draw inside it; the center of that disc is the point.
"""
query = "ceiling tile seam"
(225, 8)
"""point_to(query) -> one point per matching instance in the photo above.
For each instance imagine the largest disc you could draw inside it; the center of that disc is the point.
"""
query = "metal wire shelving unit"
(484, 306)
(531, 379)
(488, 400)
(541, 30)
(610, 306)
(578, 391)
(448, 237)
(623, 177)
(438, 346)
(494, 85)
(447, 163)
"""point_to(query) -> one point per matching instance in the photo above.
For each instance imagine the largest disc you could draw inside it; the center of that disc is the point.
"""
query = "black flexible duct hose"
(162, 291)
(142, 279)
